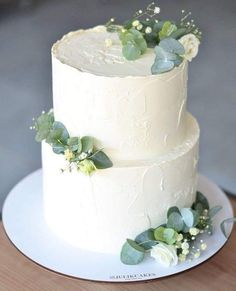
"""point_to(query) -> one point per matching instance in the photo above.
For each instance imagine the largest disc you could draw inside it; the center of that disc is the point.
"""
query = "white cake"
(141, 122)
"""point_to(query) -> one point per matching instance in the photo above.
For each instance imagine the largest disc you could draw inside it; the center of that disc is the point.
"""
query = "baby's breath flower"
(139, 27)
(68, 155)
(179, 237)
(185, 252)
(197, 255)
(157, 10)
(203, 246)
(182, 257)
(83, 156)
(148, 30)
(135, 23)
(185, 245)
(194, 231)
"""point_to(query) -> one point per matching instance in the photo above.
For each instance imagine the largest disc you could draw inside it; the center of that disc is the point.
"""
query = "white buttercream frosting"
(101, 211)
(88, 51)
(132, 117)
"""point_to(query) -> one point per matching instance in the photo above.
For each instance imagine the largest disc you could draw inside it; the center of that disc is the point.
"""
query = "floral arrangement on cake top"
(177, 240)
(172, 41)
(80, 153)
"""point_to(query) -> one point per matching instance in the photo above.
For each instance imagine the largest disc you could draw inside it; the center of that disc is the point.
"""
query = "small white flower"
(182, 257)
(148, 30)
(165, 254)
(157, 10)
(83, 156)
(190, 43)
(203, 246)
(185, 246)
(68, 155)
(108, 42)
(194, 231)
(197, 255)
(179, 237)
(135, 23)
(185, 252)
(139, 27)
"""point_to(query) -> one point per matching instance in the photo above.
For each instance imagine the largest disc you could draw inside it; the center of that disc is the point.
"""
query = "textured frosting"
(101, 211)
(86, 50)
(132, 117)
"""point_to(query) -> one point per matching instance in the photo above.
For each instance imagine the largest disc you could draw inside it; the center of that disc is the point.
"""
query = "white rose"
(165, 254)
(190, 43)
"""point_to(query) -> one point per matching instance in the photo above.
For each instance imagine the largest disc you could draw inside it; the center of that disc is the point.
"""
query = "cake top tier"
(99, 52)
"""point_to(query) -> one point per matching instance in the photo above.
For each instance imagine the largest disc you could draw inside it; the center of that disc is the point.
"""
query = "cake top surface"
(99, 52)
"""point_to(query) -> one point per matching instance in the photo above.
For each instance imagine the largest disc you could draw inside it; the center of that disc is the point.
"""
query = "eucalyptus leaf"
(200, 198)
(162, 54)
(178, 33)
(167, 29)
(224, 222)
(175, 221)
(214, 210)
(54, 136)
(146, 239)
(87, 144)
(101, 160)
(64, 133)
(132, 253)
(74, 144)
(171, 210)
(172, 45)
(190, 216)
(161, 66)
(159, 233)
(130, 51)
(58, 148)
(43, 126)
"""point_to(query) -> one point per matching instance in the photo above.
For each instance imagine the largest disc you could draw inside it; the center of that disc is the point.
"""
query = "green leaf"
(133, 43)
(190, 216)
(74, 144)
(146, 239)
(224, 222)
(159, 233)
(43, 126)
(167, 235)
(201, 199)
(132, 253)
(170, 236)
(101, 160)
(172, 45)
(58, 148)
(54, 136)
(175, 221)
(167, 29)
(64, 133)
(163, 55)
(178, 33)
(87, 144)
(214, 210)
(171, 210)
(161, 66)
(131, 52)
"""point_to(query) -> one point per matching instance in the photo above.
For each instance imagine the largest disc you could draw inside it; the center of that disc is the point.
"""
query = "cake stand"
(26, 228)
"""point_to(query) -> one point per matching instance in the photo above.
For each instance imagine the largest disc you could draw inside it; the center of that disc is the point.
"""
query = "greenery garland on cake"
(172, 41)
(177, 240)
(79, 152)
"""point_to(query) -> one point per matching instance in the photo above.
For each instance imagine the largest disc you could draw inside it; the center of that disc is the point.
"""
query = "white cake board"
(25, 226)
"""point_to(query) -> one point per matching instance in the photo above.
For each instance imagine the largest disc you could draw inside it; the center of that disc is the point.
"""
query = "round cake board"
(24, 224)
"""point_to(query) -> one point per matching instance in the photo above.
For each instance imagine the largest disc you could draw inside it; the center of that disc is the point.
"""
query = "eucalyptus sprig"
(180, 231)
(79, 152)
(145, 30)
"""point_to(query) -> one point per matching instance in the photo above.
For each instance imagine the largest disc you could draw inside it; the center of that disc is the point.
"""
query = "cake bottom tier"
(99, 212)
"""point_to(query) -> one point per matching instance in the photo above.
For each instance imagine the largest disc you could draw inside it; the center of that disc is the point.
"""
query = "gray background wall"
(27, 33)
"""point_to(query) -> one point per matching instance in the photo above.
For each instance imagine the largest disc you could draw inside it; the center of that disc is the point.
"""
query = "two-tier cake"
(134, 107)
